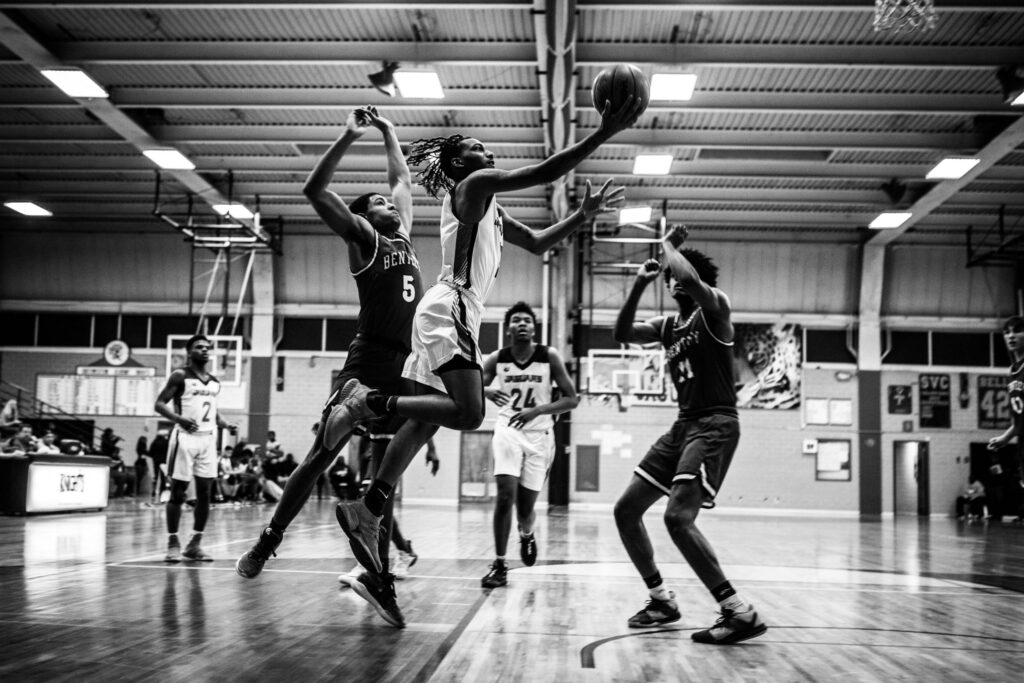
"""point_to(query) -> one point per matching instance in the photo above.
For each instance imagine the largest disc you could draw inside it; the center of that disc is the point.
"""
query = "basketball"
(618, 82)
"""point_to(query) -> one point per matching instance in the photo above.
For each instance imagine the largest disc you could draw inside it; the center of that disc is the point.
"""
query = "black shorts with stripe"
(379, 366)
(699, 448)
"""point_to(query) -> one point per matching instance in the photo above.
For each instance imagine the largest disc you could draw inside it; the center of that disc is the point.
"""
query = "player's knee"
(469, 418)
(679, 518)
(178, 495)
(625, 512)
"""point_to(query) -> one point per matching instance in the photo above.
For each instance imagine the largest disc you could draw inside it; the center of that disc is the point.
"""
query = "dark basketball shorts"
(378, 367)
(692, 449)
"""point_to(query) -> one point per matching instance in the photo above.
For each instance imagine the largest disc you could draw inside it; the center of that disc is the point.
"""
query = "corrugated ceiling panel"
(44, 116)
(22, 76)
(786, 121)
(301, 24)
(238, 149)
(786, 26)
(336, 117)
(852, 156)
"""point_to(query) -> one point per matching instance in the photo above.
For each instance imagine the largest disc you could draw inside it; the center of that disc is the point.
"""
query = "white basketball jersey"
(198, 401)
(528, 386)
(470, 252)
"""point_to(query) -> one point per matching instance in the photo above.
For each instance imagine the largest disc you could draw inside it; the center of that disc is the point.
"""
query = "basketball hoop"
(904, 15)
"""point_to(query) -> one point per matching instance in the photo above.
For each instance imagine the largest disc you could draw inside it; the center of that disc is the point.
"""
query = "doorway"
(476, 482)
(910, 478)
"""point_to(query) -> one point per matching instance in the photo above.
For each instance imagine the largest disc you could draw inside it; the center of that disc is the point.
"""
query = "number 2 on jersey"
(206, 411)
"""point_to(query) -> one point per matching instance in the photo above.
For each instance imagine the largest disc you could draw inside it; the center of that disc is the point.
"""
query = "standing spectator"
(9, 423)
(109, 441)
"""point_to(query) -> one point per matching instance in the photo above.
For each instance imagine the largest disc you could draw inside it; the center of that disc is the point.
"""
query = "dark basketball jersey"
(700, 366)
(389, 289)
(528, 385)
(1015, 390)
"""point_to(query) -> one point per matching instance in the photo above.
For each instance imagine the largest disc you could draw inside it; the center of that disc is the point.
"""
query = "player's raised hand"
(676, 235)
(604, 201)
(357, 122)
(372, 118)
(614, 121)
(648, 270)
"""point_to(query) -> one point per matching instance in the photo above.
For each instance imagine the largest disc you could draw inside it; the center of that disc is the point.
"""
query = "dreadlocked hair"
(705, 267)
(435, 154)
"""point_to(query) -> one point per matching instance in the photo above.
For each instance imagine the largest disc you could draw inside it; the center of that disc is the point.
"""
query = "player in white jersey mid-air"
(192, 452)
(445, 363)
(524, 434)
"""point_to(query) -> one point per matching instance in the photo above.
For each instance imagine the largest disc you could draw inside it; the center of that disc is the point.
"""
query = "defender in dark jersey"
(1013, 335)
(383, 262)
(690, 461)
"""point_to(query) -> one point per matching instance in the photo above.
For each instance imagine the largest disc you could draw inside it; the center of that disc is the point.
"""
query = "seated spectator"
(343, 479)
(21, 443)
(122, 477)
(49, 444)
(158, 453)
(141, 475)
(971, 501)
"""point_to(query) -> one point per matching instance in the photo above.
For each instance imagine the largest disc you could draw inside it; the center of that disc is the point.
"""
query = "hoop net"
(904, 15)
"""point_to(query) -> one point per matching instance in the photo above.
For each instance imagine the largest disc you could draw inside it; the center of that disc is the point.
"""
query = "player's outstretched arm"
(487, 182)
(594, 204)
(399, 177)
(627, 331)
(329, 206)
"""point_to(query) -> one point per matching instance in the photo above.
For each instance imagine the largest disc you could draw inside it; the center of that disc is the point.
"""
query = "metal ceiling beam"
(116, 123)
(283, 134)
(524, 99)
(70, 162)
(1006, 142)
(806, 56)
(142, 186)
(585, 5)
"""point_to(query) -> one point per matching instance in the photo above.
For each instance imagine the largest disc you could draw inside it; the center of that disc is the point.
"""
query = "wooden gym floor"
(86, 597)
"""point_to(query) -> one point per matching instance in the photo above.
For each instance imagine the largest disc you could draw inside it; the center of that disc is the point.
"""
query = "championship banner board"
(993, 402)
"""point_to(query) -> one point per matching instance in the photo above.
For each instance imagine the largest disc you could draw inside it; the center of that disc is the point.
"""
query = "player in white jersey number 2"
(524, 436)
(192, 452)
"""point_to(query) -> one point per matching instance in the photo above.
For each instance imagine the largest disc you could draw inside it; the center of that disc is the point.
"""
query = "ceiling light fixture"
(890, 219)
(28, 208)
(652, 164)
(673, 87)
(75, 83)
(952, 168)
(1011, 79)
(634, 214)
(234, 210)
(384, 80)
(170, 159)
(419, 85)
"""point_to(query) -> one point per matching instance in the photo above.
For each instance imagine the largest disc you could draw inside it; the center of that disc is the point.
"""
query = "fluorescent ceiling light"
(890, 219)
(952, 168)
(233, 210)
(74, 82)
(673, 86)
(171, 159)
(419, 84)
(1018, 100)
(652, 164)
(27, 208)
(634, 214)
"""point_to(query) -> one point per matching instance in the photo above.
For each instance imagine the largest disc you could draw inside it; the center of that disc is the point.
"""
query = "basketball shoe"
(349, 409)
(350, 577)
(173, 550)
(656, 613)
(379, 591)
(193, 552)
(498, 576)
(528, 549)
(732, 627)
(251, 564)
(363, 529)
